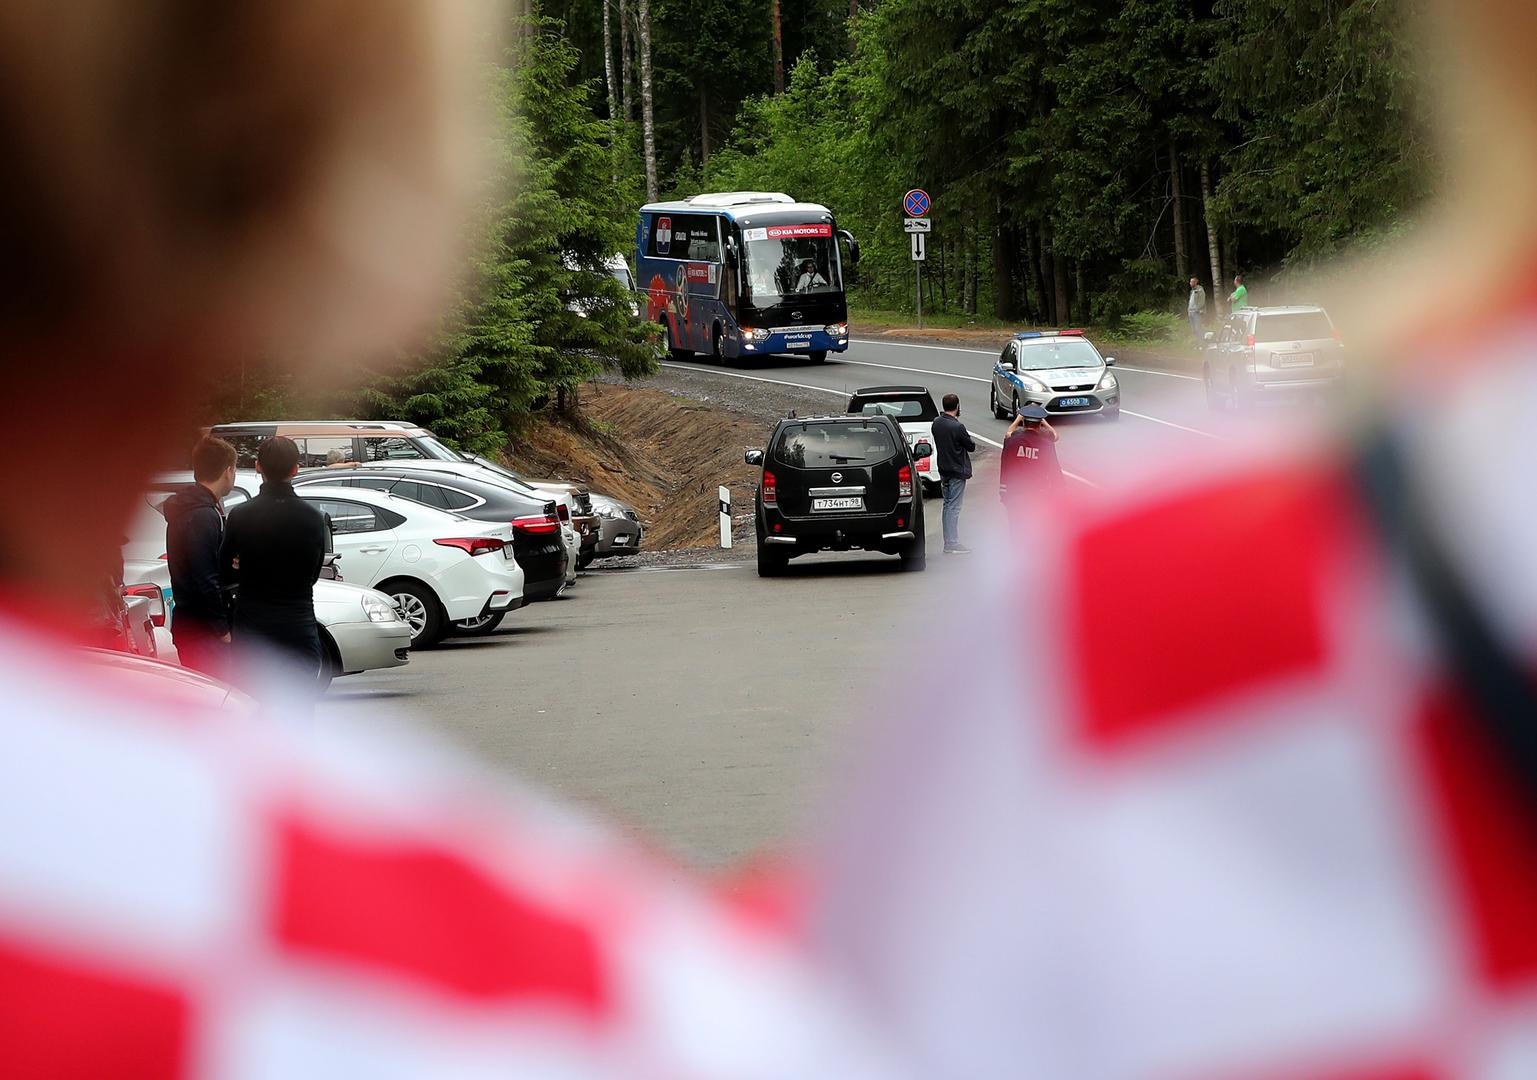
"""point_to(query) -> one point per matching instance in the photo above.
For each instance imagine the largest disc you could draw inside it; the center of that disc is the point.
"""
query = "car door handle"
(372, 551)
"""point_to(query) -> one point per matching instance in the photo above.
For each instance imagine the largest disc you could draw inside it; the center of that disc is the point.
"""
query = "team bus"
(744, 273)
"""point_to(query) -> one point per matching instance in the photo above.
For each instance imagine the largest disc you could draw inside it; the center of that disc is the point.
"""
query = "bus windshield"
(799, 261)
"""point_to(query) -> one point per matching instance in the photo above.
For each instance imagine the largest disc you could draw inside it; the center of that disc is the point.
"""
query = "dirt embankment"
(663, 454)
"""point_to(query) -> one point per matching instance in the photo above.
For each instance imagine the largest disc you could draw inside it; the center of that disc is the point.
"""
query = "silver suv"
(1271, 351)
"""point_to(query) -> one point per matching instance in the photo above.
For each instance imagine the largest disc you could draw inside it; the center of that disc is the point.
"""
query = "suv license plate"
(1072, 402)
(850, 503)
(1296, 359)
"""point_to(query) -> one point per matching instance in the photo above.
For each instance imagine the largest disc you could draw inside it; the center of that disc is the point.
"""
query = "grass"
(1152, 331)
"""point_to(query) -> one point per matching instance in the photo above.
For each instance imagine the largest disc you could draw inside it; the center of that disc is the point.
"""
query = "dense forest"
(1085, 157)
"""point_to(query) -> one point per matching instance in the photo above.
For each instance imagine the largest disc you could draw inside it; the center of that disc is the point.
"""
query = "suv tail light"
(536, 524)
(473, 545)
(152, 593)
(905, 482)
(564, 512)
(1251, 341)
(770, 489)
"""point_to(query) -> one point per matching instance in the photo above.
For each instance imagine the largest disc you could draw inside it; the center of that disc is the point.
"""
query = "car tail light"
(563, 512)
(156, 598)
(905, 482)
(923, 464)
(1251, 341)
(536, 524)
(770, 489)
(473, 545)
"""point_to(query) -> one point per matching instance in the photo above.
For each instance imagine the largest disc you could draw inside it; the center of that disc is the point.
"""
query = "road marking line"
(1172, 424)
(914, 370)
(990, 352)
(840, 393)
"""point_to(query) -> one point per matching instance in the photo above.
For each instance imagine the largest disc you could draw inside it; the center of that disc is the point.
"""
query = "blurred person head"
(213, 465)
(951, 404)
(278, 459)
(1237, 279)
(1195, 283)
(335, 457)
(188, 187)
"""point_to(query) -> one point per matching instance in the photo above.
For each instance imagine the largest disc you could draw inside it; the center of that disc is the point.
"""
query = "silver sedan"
(620, 530)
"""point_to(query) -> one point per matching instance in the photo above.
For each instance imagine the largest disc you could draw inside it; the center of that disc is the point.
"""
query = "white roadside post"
(725, 517)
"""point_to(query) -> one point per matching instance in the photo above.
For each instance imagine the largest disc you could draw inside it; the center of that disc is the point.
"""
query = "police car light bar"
(1023, 334)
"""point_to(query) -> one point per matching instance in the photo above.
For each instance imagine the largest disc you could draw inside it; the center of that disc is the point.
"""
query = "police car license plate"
(1072, 402)
(842, 503)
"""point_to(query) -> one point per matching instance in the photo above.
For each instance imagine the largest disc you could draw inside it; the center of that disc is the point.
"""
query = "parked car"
(360, 628)
(583, 519)
(439, 567)
(1268, 352)
(533, 515)
(835, 483)
(353, 440)
(144, 679)
(913, 408)
(1059, 370)
(619, 527)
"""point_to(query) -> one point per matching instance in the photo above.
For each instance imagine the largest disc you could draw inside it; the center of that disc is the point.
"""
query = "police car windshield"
(1057, 353)
(816, 446)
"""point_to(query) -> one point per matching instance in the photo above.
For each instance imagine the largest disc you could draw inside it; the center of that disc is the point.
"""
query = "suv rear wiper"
(841, 460)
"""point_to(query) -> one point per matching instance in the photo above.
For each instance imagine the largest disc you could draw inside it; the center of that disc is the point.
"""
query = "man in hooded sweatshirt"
(194, 532)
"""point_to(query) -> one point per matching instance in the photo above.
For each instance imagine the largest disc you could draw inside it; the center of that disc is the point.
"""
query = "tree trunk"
(608, 62)
(969, 267)
(704, 126)
(1213, 248)
(626, 62)
(1003, 283)
(1079, 295)
(1061, 308)
(779, 50)
(1038, 269)
(647, 112)
(1177, 193)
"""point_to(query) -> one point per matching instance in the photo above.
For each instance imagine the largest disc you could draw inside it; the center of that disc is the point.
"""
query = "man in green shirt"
(1240, 295)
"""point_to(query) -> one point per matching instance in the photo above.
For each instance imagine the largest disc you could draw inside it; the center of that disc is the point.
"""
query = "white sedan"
(912, 407)
(439, 567)
(360, 629)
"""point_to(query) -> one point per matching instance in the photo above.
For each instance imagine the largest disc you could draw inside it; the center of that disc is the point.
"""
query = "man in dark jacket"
(273, 549)
(953, 446)
(194, 533)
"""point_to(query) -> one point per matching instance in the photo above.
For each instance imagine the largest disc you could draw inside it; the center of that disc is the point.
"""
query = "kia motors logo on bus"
(790, 232)
(664, 234)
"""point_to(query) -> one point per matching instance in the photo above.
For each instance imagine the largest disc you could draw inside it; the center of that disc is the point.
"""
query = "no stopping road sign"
(916, 202)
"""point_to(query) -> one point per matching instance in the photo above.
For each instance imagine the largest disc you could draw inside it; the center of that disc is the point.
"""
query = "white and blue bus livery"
(744, 273)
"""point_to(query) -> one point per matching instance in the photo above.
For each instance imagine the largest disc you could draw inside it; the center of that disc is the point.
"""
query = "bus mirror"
(731, 251)
(853, 245)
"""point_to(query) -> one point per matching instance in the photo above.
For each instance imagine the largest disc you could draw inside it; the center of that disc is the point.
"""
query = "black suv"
(835, 483)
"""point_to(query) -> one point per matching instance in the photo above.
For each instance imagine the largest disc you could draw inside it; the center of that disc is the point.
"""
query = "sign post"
(725, 517)
(916, 204)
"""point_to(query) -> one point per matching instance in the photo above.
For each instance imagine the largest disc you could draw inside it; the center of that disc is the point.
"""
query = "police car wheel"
(1112, 413)
(992, 403)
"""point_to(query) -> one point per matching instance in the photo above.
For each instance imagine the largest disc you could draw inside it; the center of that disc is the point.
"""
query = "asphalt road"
(1154, 403)
(706, 708)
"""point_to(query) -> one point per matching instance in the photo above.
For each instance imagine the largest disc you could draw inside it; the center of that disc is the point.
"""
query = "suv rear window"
(823, 445)
(1293, 326)
(910, 409)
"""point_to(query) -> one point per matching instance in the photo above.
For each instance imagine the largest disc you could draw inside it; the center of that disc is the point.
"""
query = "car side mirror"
(1006, 365)
(1110, 361)
(753, 457)
(922, 449)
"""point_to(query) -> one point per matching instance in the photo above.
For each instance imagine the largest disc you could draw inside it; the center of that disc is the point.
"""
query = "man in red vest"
(1029, 465)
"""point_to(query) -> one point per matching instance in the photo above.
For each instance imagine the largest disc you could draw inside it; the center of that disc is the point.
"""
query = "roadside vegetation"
(1085, 157)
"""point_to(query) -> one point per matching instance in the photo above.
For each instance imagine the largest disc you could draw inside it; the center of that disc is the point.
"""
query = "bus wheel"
(818, 356)
(718, 345)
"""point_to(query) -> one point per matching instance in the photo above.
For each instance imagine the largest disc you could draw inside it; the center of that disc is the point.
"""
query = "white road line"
(1172, 424)
(990, 352)
(915, 370)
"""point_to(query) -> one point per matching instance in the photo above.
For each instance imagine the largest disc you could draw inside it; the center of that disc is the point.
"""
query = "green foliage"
(1152, 327)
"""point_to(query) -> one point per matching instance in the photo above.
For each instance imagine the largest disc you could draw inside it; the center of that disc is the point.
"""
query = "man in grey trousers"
(954, 447)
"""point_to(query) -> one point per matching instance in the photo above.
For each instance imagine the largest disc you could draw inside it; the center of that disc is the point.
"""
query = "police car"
(1060, 370)
(912, 407)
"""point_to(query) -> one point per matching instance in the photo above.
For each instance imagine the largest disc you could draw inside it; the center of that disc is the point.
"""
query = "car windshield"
(1293, 326)
(910, 409)
(1057, 353)
(621, 274)
(824, 445)
(436, 450)
(791, 260)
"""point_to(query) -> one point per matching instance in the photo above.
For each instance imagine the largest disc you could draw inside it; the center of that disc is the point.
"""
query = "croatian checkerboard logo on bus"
(664, 235)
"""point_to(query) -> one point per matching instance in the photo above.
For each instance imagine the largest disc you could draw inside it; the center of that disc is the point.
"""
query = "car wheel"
(480, 625)
(1112, 413)
(818, 356)
(330, 663)
(584, 561)
(771, 563)
(1242, 397)
(992, 402)
(1015, 406)
(916, 555)
(932, 489)
(421, 611)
